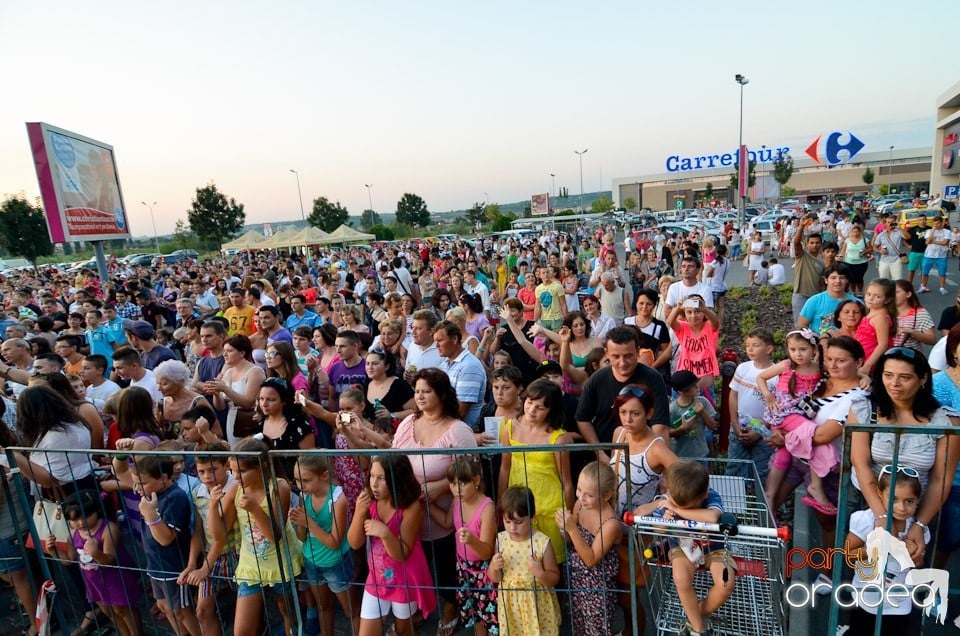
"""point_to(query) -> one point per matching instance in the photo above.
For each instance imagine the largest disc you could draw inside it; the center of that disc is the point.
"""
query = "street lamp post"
(580, 154)
(299, 194)
(742, 81)
(553, 185)
(156, 241)
(369, 196)
(890, 170)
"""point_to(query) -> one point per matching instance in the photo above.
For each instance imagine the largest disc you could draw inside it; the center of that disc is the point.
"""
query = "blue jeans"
(759, 454)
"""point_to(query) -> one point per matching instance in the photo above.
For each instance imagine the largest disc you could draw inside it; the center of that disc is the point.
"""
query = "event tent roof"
(248, 240)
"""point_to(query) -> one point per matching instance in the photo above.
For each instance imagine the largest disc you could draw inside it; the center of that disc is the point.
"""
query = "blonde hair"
(458, 315)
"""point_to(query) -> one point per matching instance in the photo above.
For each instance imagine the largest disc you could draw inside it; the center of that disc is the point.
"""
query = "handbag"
(244, 425)
(48, 519)
(904, 258)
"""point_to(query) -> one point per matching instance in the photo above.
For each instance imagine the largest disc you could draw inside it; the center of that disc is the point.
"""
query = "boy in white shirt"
(747, 441)
(777, 274)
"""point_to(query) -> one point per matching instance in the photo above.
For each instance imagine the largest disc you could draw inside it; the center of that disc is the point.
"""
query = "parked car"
(142, 259)
(910, 217)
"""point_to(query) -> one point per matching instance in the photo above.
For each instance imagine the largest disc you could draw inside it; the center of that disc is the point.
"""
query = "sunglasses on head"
(632, 390)
(906, 470)
(903, 351)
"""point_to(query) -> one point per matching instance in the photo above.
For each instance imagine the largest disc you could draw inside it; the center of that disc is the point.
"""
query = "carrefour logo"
(829, 151)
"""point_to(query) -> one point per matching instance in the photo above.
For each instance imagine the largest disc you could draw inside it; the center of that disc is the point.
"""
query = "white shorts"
(372, 608)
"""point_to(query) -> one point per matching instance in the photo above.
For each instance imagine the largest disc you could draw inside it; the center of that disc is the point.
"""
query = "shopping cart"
(758, 547)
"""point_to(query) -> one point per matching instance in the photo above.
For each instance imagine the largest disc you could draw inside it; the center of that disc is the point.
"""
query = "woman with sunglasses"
(638, 470)
(903, 395)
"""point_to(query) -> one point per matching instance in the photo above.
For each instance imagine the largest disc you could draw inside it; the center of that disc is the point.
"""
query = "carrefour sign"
(676, 163)
(826, 149)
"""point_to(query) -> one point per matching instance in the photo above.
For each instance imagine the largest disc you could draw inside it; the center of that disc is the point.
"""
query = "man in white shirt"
(688, 285)
(777, 273)
(472, 286)
(99, 388)
(422, 353)
(938, 239)
(127, 366)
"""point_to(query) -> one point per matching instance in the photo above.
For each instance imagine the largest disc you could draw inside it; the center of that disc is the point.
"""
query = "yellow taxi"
(910, 217)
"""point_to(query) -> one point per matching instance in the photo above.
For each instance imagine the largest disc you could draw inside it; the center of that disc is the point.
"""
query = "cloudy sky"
(449, 100)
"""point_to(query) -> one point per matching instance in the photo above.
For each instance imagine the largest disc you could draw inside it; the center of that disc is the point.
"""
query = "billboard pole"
(742, 81)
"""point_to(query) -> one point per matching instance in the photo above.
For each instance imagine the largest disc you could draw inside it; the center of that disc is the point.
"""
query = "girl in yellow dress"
(525, 570)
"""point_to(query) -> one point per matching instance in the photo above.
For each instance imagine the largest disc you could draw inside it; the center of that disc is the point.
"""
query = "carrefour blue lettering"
(676, 163)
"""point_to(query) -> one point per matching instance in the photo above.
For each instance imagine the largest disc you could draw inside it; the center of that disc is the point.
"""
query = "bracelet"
(880, 516)
(154, 522)
(122, 458)
(920, 523)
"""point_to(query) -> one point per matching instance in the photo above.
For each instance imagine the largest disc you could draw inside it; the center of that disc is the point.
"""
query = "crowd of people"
(554, 340)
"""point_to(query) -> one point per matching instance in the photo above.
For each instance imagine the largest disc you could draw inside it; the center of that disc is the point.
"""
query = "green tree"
(782, 171)
(369, 218)
(884, 189)
(868, 176)
(382, 232)
(630, 203)
(603, 204)
(23, 229)
(476, 214)
(412, 210)
(213, 217)
(787, 191)
(327, 215)
(708, 192)
(566, 212)
(502, 222)
(751, 177)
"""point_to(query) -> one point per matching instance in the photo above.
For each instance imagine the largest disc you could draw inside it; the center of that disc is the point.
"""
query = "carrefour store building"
(832, 164)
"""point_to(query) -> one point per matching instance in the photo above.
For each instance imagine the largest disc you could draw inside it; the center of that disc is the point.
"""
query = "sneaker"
(923, 290)
(943, 292)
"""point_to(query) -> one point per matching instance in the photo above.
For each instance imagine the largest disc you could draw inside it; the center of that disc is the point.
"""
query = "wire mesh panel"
(757, 549)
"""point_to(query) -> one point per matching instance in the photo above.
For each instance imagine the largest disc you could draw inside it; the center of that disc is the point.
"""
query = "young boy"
(690, 413)
(747, 430)
(101, 340)
(302, 336)
(217, 567)
(690, 497)
(165, 532)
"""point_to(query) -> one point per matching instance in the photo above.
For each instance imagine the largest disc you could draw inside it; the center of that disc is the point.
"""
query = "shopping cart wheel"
(728, 524)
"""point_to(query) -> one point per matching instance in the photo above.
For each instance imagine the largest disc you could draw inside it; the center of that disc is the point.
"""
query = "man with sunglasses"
(596, 417)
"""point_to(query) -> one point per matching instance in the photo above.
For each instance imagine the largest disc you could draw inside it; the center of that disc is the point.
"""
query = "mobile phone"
(343, 419)
(691, 304)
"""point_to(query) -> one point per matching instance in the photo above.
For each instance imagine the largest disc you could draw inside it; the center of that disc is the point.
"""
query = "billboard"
(539, 204)
(79, 185)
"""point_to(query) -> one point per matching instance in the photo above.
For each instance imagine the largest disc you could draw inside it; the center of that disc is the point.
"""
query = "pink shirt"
(429, 468)
(698, 351)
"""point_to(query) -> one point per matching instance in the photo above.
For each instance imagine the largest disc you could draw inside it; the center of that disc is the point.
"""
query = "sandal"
(88, 625)
(823, 508)
(448, 629)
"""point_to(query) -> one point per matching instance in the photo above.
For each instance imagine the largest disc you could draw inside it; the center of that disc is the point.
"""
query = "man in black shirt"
(916, 235)
(595, 415)
(516, 345)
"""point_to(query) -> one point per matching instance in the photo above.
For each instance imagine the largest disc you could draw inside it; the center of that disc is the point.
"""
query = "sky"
(456, 102)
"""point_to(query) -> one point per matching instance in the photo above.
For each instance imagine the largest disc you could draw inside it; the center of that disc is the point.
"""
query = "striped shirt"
(469, 379)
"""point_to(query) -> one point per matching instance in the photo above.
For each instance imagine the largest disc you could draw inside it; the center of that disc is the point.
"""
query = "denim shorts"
(249, 589)
(930, 263)
(11, 556)
(336, 577)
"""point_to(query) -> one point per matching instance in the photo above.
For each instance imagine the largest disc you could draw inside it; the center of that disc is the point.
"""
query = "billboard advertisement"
(540, 204)
(78, 184)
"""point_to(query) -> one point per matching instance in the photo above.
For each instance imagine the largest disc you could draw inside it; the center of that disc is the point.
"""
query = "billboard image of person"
(540, 204)
(78, 184)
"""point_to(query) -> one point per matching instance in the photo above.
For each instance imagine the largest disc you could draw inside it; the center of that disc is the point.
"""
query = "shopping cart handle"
(783, 532)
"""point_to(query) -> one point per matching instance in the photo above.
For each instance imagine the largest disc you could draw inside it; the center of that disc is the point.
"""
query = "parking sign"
(951, 192)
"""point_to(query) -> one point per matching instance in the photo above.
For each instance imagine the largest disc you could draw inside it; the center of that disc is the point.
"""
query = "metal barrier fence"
(127, 578)
(850, 495)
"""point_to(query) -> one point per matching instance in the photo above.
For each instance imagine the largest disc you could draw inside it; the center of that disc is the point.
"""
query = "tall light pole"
(742, 81)
(890, 171)
(156, 241)
(369, 196)
(580, 154)
(300, 194)
(553, 185)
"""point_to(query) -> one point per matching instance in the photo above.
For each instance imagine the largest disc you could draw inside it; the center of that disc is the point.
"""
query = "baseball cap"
(139, 328)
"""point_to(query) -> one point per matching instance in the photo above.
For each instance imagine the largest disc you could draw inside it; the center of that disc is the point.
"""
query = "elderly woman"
(663, 285)
(436, 423)
(173, 381)
(903, 395)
